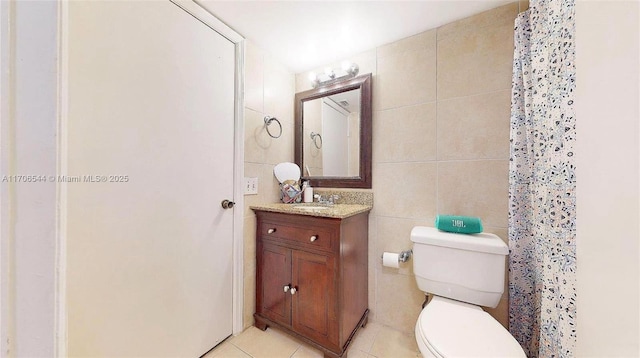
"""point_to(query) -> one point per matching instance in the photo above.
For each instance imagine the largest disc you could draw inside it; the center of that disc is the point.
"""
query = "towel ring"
(315, 135)
(267, 122)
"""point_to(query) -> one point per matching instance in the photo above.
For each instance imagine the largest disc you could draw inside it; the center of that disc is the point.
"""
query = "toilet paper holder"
(404, 256)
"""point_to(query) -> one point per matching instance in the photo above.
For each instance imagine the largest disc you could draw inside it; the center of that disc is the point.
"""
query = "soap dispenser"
(308, 192)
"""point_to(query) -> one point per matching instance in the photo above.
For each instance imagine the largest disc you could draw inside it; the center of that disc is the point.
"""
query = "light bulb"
(315, 80)
(353, 70)
(329, 72)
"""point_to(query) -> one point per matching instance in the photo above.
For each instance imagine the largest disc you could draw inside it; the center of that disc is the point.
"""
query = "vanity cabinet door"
(274, 282)
(314, 302)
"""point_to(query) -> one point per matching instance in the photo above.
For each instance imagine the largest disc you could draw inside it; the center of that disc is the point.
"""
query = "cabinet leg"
(333, 355)
(259, 323)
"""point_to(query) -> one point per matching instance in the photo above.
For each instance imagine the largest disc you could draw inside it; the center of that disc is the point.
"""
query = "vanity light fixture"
(330, 75)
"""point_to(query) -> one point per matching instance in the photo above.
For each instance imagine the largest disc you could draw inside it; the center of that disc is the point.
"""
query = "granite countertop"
(339, 211)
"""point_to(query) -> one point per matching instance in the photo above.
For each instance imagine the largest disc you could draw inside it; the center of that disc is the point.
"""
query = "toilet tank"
(468, 268)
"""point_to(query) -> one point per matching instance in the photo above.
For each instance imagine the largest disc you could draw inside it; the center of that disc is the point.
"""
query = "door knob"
(293, 290)
(227, 204)
(286, 288)
(313, 238)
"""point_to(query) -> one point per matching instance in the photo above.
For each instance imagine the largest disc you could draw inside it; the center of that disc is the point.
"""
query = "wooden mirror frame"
(364, 179)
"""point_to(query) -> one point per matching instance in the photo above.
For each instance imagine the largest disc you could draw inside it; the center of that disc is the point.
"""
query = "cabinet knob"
(313, 238)
(286, 288)
(271, 231)
(293, 290)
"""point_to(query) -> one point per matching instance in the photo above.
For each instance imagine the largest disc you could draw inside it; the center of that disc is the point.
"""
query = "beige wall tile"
(281, 149)
(366, 61)
(256, 139)
(475, 188)
(475, 62)
(373, 234)
(503, 15)
(405, 189)
(501, 312)
(421, 41)
(279, 90)
(372, 284)
(405, 77)
(302, 82)
(249, 245)
(405, 134)
(269, 87)
(254, 78)
(394, 235)
(475, 127)
(249, 304)
(268, 186)
(399, 301)
(279, 85)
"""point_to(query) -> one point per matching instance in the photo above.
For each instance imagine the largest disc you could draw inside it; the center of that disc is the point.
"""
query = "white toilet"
(462, 272)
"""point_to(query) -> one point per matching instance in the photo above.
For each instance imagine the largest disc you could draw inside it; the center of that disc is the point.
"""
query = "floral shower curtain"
(542, 205)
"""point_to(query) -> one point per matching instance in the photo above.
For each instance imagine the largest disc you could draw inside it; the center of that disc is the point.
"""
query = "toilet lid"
(456, 329)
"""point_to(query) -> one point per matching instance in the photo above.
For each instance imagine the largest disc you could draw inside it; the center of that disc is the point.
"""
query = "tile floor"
(373, 341)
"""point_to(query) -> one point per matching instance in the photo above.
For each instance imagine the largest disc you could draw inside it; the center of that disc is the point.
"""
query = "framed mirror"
(332, 142)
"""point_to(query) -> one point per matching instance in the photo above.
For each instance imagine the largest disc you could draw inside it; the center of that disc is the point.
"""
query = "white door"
(151, 112)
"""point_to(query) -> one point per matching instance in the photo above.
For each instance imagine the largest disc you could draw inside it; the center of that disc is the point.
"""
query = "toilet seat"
(448, 328)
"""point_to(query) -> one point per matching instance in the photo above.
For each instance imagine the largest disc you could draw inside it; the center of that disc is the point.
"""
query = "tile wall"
(440, 144)
(269, 90)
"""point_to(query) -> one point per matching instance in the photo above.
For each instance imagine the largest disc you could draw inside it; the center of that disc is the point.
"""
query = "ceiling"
(304, 35)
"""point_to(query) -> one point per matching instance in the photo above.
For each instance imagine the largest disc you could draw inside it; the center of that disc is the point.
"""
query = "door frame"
(6, 240)
(212, 22)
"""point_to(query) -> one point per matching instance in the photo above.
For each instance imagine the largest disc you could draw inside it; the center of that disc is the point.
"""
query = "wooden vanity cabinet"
(311, 277)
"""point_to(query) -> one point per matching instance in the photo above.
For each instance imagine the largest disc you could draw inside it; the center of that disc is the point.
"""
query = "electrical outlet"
(250, 186)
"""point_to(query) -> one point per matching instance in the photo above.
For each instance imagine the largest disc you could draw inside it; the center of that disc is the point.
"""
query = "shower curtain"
(542, 203)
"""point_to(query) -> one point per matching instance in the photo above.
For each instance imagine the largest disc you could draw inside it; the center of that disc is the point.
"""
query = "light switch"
(250, 186)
